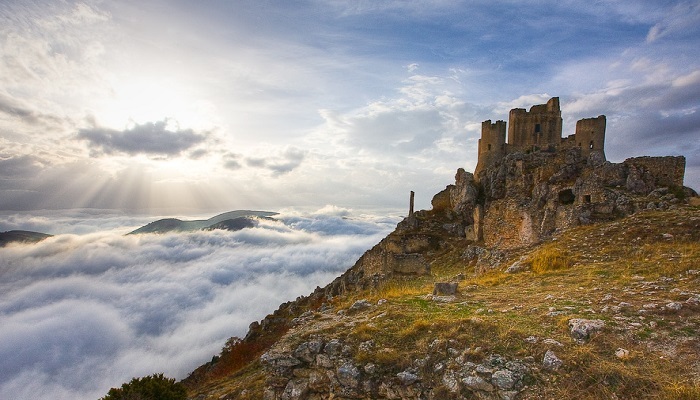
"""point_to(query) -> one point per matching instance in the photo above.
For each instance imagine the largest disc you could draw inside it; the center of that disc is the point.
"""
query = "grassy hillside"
(639, 276)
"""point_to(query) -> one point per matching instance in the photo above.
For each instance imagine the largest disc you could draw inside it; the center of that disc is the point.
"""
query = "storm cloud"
(155, 138)
(83, 313)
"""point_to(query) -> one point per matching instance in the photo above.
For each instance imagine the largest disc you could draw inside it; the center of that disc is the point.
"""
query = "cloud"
(281, 163)
(525, 101)
(83, 313)
(232, 161)
(24, 166)
(330, 209)
(682, 20)
(12, 107)
(154, 138)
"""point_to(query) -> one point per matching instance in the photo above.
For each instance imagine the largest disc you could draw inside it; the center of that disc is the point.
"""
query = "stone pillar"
(478, 216)
(410, 208)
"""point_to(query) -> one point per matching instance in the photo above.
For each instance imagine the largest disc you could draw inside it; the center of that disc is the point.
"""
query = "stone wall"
(400, 253)
(492, 145)
(507, 225)
(590, 135)
(540, 128)
(658, 171)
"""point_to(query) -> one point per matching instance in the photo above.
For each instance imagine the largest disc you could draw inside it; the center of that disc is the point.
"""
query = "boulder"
(296, 390)
(503, 379)
(551, 362)
(348, 375)
(445, 289)
(360, 305)
(477, 383)
(407, 378)
(581, 329)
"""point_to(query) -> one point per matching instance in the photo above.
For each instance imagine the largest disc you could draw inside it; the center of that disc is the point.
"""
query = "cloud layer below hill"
(83, 313)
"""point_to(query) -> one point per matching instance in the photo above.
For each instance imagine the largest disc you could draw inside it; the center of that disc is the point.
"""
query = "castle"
(522, 192)
(539, 129)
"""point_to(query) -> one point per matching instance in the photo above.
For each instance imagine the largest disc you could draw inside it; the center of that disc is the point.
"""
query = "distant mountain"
(232, 220)
(21, 237)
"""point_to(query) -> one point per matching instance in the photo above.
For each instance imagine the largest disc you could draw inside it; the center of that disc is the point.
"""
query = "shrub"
(152, 387)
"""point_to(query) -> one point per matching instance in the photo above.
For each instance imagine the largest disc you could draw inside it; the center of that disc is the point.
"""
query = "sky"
(175, 106)
(81, 313)
(329, 111)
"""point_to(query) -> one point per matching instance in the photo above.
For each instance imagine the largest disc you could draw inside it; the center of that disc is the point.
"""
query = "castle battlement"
(538, 129)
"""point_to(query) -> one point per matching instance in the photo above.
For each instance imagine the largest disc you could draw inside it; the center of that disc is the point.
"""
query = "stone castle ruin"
(538, 182)
(523, 191)
(539, 129)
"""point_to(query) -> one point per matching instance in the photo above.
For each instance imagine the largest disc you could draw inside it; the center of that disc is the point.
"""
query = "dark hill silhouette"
(18, 236)
(232, 220)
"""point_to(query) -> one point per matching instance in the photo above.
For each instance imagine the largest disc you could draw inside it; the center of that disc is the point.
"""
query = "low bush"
(152, 387)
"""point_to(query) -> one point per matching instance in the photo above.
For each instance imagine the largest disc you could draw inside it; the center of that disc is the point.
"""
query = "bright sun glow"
(155, 99)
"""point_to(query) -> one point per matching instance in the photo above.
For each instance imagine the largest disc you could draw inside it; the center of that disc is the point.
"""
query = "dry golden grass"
(549, 257)
(570, 274)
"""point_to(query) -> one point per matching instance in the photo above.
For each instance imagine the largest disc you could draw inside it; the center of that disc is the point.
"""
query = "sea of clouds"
(85, 311)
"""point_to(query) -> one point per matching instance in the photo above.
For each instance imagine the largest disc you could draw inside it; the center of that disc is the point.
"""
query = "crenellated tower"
(492, 145)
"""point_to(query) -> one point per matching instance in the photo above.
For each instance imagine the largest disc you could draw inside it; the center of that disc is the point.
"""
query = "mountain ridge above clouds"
(232, 220)
(21, 236)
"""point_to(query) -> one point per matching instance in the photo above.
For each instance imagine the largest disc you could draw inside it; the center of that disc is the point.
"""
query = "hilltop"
(232, 220)
(505, 333)
(550, 273)
(19, 236)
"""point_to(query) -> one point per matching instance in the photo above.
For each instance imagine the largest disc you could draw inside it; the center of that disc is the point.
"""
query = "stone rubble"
(325, 369)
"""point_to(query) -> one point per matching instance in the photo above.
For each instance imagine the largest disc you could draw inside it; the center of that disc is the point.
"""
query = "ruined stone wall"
(519, 196)
(529, 196)
(540, 128)
(590, 135)
(508, 225)
(492, 145)
(658, 171)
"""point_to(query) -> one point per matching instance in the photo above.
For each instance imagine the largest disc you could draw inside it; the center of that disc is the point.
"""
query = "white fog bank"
(83, 313)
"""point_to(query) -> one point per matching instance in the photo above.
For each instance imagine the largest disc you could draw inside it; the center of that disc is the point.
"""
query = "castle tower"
(590, 135)
(492, 145)
(537, 129)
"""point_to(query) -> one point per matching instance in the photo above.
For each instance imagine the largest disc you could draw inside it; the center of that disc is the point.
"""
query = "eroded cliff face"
(526, 197)
(518, 202)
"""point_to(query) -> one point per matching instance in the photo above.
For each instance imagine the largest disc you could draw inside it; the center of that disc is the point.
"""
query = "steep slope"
(551, 273)
(600, 311)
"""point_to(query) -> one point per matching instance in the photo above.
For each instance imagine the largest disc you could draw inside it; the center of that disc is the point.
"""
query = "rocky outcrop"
(401, 253)
(527, 196)
(323, 368)
(520, 200)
